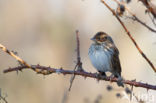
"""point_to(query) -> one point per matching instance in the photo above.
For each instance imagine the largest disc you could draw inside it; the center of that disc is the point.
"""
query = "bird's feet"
(111, 77)
(101, 75)
(120, 81)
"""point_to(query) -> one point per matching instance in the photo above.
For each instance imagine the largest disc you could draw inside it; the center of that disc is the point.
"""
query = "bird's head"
(101, 37)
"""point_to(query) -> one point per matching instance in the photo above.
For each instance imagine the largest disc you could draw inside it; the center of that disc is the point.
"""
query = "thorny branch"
(78, 65)
(129, 34)
(21, 61)
(83, 74)
(134, 17)
(48, 70)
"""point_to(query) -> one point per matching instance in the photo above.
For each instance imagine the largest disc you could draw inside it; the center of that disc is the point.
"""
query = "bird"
(104, 56)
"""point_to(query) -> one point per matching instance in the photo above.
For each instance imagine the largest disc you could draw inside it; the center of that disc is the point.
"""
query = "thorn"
(85, 77)
(20, 70)
(64, 74)
(134, 80)
(61, 68)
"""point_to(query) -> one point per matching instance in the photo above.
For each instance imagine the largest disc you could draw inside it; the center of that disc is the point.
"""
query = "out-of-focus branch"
(83, 74)
(130, 36)
(150, 7)
(2, 97)
(134, 17)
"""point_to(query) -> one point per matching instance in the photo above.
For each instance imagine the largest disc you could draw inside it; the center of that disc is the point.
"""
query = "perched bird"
(105, 56)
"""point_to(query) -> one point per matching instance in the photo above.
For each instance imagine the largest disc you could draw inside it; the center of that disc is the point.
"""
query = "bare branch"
(150, 7)
(14, 55)
(83, 74)
(135, 18)
(2, 97)
(17, 58)
(130, 36)
(78, 65)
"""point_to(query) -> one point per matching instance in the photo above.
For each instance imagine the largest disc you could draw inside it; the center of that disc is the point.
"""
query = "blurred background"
(43, 32)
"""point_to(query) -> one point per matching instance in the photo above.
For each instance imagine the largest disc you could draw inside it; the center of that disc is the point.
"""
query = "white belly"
(101, 60)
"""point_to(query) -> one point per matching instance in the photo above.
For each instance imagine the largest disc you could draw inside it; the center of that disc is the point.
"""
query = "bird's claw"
(98, 75)
(111, 77)
(120, 82)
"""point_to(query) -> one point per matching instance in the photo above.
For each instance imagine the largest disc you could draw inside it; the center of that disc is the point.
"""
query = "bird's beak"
(92, 39)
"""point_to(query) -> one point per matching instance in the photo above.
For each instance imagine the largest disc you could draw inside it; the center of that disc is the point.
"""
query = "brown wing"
(115, 62)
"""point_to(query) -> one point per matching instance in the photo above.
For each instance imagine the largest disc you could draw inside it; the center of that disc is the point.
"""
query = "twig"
(11, 53)
(143, 23)
(151, 8)
(131, 93)
(130, 36)
(48, 70)
(83, 74)
(135, 18)
(65, 97)
(3, 98)
(78, 65)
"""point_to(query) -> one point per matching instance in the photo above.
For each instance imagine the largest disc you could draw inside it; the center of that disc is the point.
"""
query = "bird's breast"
(101, 59)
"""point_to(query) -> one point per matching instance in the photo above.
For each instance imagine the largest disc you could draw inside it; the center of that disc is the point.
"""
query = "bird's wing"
(115, 61)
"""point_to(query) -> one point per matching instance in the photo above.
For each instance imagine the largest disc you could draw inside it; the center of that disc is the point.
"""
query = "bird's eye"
(104, 39)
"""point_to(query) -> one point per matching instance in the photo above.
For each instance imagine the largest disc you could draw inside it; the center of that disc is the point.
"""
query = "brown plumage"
(105, 56)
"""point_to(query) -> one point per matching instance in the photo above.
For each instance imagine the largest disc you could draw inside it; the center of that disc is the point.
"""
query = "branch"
(2, 97)
(130, 36)
(48, 70)
(84, 74)
(21, 61)
(143, 23)
(150, 7)
(78, 65)
(135, 18)
(13, 55)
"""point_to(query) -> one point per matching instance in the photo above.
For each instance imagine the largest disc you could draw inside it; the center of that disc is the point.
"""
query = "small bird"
(105, 56)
